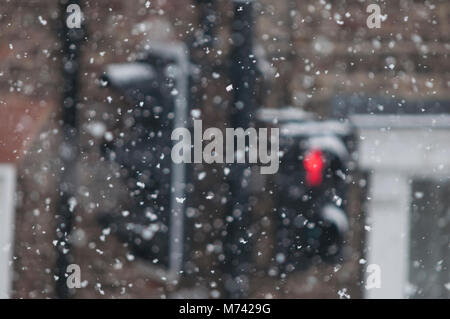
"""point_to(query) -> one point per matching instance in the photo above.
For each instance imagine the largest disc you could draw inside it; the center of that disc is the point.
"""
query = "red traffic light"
(314, 163)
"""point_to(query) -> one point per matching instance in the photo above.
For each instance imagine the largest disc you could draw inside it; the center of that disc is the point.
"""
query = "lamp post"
(242, 74)
(68, 150)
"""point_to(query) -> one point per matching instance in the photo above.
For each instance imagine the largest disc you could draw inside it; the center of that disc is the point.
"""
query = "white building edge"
(7, 196)
(396, 149)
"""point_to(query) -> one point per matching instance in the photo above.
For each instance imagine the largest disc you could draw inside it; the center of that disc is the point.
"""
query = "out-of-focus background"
(392, 83)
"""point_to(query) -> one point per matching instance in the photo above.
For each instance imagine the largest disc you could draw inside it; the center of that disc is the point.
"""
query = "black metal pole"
(243, 73)
(208, 22)
(70, 39)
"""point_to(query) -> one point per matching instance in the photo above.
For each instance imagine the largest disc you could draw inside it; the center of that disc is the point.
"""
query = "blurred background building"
(392, 83)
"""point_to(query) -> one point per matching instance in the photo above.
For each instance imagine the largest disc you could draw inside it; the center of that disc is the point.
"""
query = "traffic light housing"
(311, 186)
(156, 85)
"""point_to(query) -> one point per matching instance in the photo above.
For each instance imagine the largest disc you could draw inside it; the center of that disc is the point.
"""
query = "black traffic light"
(311, 187)
(157, 87)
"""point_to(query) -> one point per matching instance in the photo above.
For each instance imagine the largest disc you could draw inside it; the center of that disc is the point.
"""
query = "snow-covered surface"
(331, 144)
(122, 74)
(424, 150)
(315, 128)
(336, 216)
(402, 121)
(283, 115)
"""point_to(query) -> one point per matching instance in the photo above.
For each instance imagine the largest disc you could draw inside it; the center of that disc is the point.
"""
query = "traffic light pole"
(242, 74)
(68, 150)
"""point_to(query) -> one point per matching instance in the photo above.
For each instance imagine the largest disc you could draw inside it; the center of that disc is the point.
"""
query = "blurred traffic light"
(314, 165)
(311, 187)
(156, 87)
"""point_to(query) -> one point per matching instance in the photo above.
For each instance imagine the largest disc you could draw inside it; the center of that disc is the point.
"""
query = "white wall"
(7, 191)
